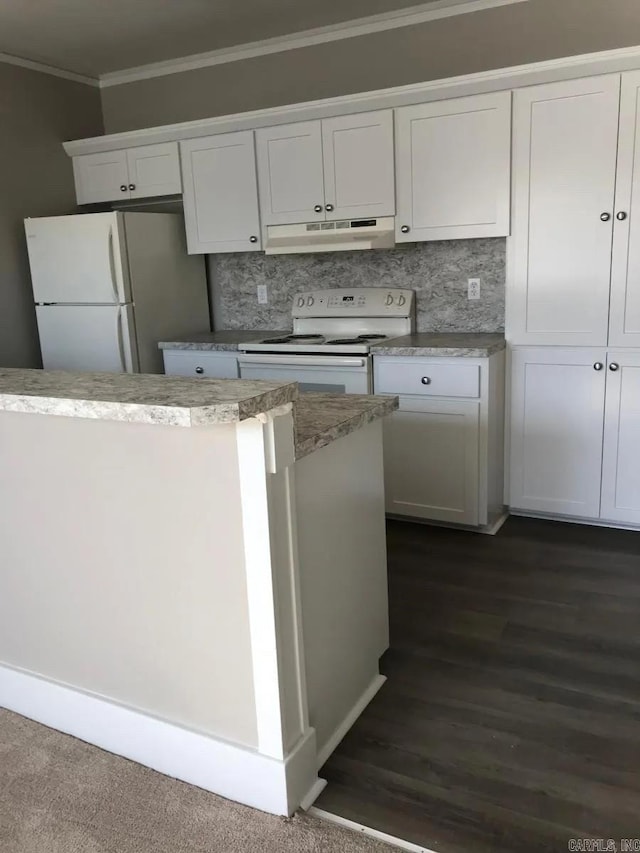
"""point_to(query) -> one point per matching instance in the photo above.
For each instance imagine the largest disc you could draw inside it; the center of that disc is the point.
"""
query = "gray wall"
(496, 38)
(438, 272)
(37, 112)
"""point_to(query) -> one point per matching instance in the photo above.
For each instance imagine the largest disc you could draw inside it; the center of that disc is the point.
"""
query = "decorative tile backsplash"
(438, 272)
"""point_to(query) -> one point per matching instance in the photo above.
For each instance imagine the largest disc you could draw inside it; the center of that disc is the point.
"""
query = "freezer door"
(78, 259)
(87, 337)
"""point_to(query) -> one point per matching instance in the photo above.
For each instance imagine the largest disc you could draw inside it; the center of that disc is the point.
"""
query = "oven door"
(325, 374)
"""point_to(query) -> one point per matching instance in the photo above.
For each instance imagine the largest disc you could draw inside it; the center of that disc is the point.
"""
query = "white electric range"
(329, 349)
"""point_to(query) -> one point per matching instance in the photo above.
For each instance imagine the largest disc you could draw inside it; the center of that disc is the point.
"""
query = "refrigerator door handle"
(120, 339)
(112, 267)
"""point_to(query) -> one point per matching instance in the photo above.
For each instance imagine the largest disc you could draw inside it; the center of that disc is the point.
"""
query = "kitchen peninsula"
(193, 571)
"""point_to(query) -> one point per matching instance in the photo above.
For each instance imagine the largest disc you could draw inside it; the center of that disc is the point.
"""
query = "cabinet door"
(154, 170)
(565, 141)
(290, 173)
(557, 408)
(358, 165)
(431, 460)
(220, 193)
(453, 168)
(101, 177)
(621, 460)
(624, 317)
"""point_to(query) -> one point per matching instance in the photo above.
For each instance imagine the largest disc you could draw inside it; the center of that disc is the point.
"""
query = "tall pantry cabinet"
(573, 295)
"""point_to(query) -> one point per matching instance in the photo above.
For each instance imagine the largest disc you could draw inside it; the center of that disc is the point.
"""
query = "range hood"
(343, 235)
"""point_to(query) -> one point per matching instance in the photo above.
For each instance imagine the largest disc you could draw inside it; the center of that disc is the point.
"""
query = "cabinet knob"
(405, 229)
(598, 365)
(123, 188)
(614, 366)
(132, 186)
(605, 217)
(199, 369)
(621, 215)
(328, 207)
(317, 208)
(426, 380)
(253, 239)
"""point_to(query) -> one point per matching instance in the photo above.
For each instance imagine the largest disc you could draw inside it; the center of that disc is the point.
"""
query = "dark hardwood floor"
(510, 720)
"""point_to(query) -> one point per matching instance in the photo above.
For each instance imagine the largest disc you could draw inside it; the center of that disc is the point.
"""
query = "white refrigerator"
(109, 286)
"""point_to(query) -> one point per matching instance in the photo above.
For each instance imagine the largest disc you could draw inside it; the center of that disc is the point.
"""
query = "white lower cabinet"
(575, 419)
(443, 447)
(621, 458)
(201, 363)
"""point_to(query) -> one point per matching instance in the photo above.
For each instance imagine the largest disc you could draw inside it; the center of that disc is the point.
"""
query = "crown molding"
(8, 59)
(419, 14)
(514, 77)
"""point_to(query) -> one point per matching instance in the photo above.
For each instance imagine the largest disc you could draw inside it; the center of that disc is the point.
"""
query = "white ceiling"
(94, 37)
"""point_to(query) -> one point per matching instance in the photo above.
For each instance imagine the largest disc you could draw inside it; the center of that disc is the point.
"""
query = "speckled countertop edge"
(321, 419)
(227, 340)
(139, 398)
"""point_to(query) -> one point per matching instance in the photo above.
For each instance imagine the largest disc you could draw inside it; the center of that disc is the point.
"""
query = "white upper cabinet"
(624, 320)
(221, 193)
(332, 169)
(290, 173)
(101, 177)
(358, 165)
(564, 167)
(154, 170)
(143, 172)
(453, 161)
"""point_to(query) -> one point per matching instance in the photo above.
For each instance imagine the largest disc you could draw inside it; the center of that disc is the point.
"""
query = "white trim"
(368, 831)
(574, 519)
(228, 769)
(8, 59)
(605, 62)
(409, 17)
(313, 794)
(349, 720)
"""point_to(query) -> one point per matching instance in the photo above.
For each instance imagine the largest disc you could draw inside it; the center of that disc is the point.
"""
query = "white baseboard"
(368, 831)
(488, 529)
(575, 519)
(313, 794)
(350, 718)
(230, 770)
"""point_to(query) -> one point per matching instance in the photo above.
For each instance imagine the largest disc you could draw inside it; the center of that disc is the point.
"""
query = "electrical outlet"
(473, 291)
(262, 294)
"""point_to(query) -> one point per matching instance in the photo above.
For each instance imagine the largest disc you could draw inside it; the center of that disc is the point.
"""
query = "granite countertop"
(223, 341)
(140, 398)
(461, 344)
(323, 418)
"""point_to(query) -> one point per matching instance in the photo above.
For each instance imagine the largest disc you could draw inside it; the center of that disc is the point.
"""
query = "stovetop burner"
(371, 337)
(291, 339)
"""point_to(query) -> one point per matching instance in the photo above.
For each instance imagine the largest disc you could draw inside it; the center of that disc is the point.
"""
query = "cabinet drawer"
(208, 365)
(431, 378)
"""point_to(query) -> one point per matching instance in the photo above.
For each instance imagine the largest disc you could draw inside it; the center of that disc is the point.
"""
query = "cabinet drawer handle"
(405, 229)
(621, 215)
(598, 365)
(317, 208)
(123, 188)
(253, 239)
(199, 369)
(426, 380)
(614, 366)
(328, 207)
(605, 217)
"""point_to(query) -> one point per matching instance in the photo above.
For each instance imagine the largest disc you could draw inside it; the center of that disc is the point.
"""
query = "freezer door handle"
(120, 339)
(112, 267)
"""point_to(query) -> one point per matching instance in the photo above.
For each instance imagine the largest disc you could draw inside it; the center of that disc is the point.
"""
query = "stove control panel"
(355, 302)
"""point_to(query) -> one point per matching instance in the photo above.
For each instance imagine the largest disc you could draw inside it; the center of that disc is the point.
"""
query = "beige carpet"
(60, 795)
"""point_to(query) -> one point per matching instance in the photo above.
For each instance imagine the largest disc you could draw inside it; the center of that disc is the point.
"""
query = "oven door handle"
(301, 361)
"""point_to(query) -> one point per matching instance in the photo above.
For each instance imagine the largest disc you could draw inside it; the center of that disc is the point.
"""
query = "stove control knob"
(401, 300)
(389, 299)
(300, 301)
(310, 300)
